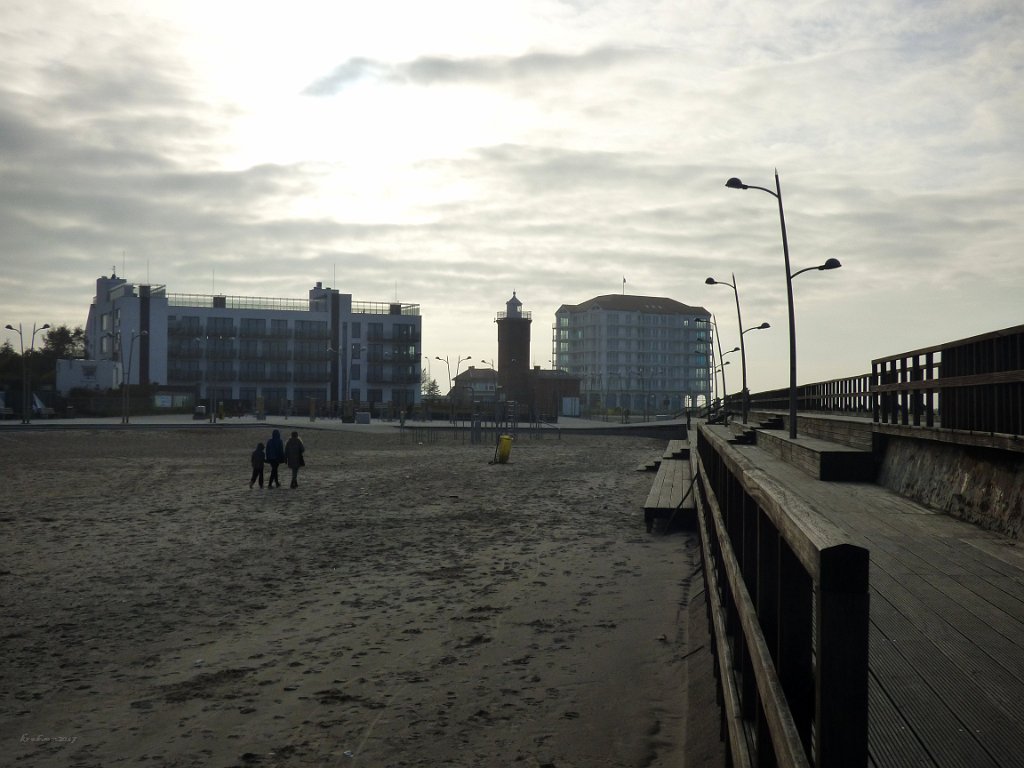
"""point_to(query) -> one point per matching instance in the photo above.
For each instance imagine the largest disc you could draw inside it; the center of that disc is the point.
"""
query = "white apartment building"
(325, 349)
(644, 353)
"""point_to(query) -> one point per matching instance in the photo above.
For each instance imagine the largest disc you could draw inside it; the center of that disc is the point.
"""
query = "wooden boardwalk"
(946, 669)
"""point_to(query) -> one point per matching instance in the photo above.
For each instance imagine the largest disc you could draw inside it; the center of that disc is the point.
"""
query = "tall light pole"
(743, 349)
(126, 378)
(722, 362)
(745, 393)
(205, 342)
(451, 381)
(735, 183)
(26, 386)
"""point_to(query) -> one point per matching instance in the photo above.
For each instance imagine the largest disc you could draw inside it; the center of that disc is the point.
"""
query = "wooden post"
(841, 652)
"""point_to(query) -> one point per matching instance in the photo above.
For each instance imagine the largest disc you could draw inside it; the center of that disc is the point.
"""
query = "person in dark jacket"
(257, 460)
(293, 451)
(275, 455)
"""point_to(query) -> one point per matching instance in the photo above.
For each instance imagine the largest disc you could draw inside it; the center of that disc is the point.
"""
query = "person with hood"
(293, 451)
(274, 455)
(257, 460)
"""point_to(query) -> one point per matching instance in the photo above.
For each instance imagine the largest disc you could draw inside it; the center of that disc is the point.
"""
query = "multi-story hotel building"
(643, 353)
(322, 350)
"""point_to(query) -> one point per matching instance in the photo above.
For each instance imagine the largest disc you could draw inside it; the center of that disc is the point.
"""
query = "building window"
(220, 326)
(404, 332)
(253, 326)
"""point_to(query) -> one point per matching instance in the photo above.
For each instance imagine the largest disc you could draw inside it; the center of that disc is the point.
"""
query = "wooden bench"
(677, 449)
(820, 459)
(671, 486)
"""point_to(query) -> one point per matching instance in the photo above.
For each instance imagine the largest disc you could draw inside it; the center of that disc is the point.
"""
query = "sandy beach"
(410, 604)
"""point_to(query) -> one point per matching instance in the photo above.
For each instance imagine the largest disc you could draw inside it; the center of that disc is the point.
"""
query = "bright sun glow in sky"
(448, 153)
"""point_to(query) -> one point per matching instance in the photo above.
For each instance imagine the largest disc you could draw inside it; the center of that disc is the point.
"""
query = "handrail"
(792, 637)
(973, 385)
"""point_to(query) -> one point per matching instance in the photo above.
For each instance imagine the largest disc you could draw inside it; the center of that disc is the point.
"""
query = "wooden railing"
(788, 611)
(849, 396)
(972, 385)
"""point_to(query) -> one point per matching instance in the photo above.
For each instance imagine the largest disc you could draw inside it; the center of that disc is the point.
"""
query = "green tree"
(10, 364)
(430, 389)
(63, 343)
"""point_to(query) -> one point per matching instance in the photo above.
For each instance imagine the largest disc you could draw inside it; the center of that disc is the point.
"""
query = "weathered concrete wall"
(981, 485)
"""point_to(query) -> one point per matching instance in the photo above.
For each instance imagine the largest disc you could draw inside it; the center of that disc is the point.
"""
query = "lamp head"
(44, 326)
(10, 327)
(735, 183)
(762, 326)
(710, 281)
(831, 264)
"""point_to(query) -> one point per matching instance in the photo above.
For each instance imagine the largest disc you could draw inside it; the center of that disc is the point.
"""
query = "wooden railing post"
(841, 601)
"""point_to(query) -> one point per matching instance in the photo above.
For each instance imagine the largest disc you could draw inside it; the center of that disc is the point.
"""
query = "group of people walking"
(275, 453)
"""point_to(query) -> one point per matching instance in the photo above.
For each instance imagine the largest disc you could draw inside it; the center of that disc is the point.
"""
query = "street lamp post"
(126, 377)
(722, 362)
(451, 381)
(205, 342)
(26, 386)
(743, 349)
(735, 183)
(745, 393)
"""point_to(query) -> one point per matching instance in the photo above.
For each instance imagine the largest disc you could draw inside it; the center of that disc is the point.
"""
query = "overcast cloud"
(449, 153)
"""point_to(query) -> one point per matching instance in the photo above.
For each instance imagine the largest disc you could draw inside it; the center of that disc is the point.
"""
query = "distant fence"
(972, 385)
(850, 396)
(788, 611)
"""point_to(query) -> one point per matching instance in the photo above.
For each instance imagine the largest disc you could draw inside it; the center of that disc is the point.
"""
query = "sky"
(449, 153)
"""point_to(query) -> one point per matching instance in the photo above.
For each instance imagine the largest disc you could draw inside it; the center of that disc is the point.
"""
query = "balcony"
(313, 334)
(183, 330)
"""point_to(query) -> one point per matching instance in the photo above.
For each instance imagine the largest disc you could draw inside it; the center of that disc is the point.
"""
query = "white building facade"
(643, 353)
(292, 353)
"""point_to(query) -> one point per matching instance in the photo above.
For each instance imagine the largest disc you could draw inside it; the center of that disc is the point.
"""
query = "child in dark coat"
(257, 465)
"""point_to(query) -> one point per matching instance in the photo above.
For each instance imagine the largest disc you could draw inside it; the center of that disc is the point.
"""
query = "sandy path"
(408, 605)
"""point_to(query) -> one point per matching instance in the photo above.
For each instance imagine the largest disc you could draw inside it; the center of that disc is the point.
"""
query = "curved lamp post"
(722, 362)
(735, 183)
(745, 393)
(26, 388)
(451, 381)
(127, 379)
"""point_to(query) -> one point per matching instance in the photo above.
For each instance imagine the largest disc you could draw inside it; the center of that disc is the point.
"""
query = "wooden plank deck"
(668, 496)
(946, 684)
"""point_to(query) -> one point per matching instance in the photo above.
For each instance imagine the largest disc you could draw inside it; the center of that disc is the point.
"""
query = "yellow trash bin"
(504, 448)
